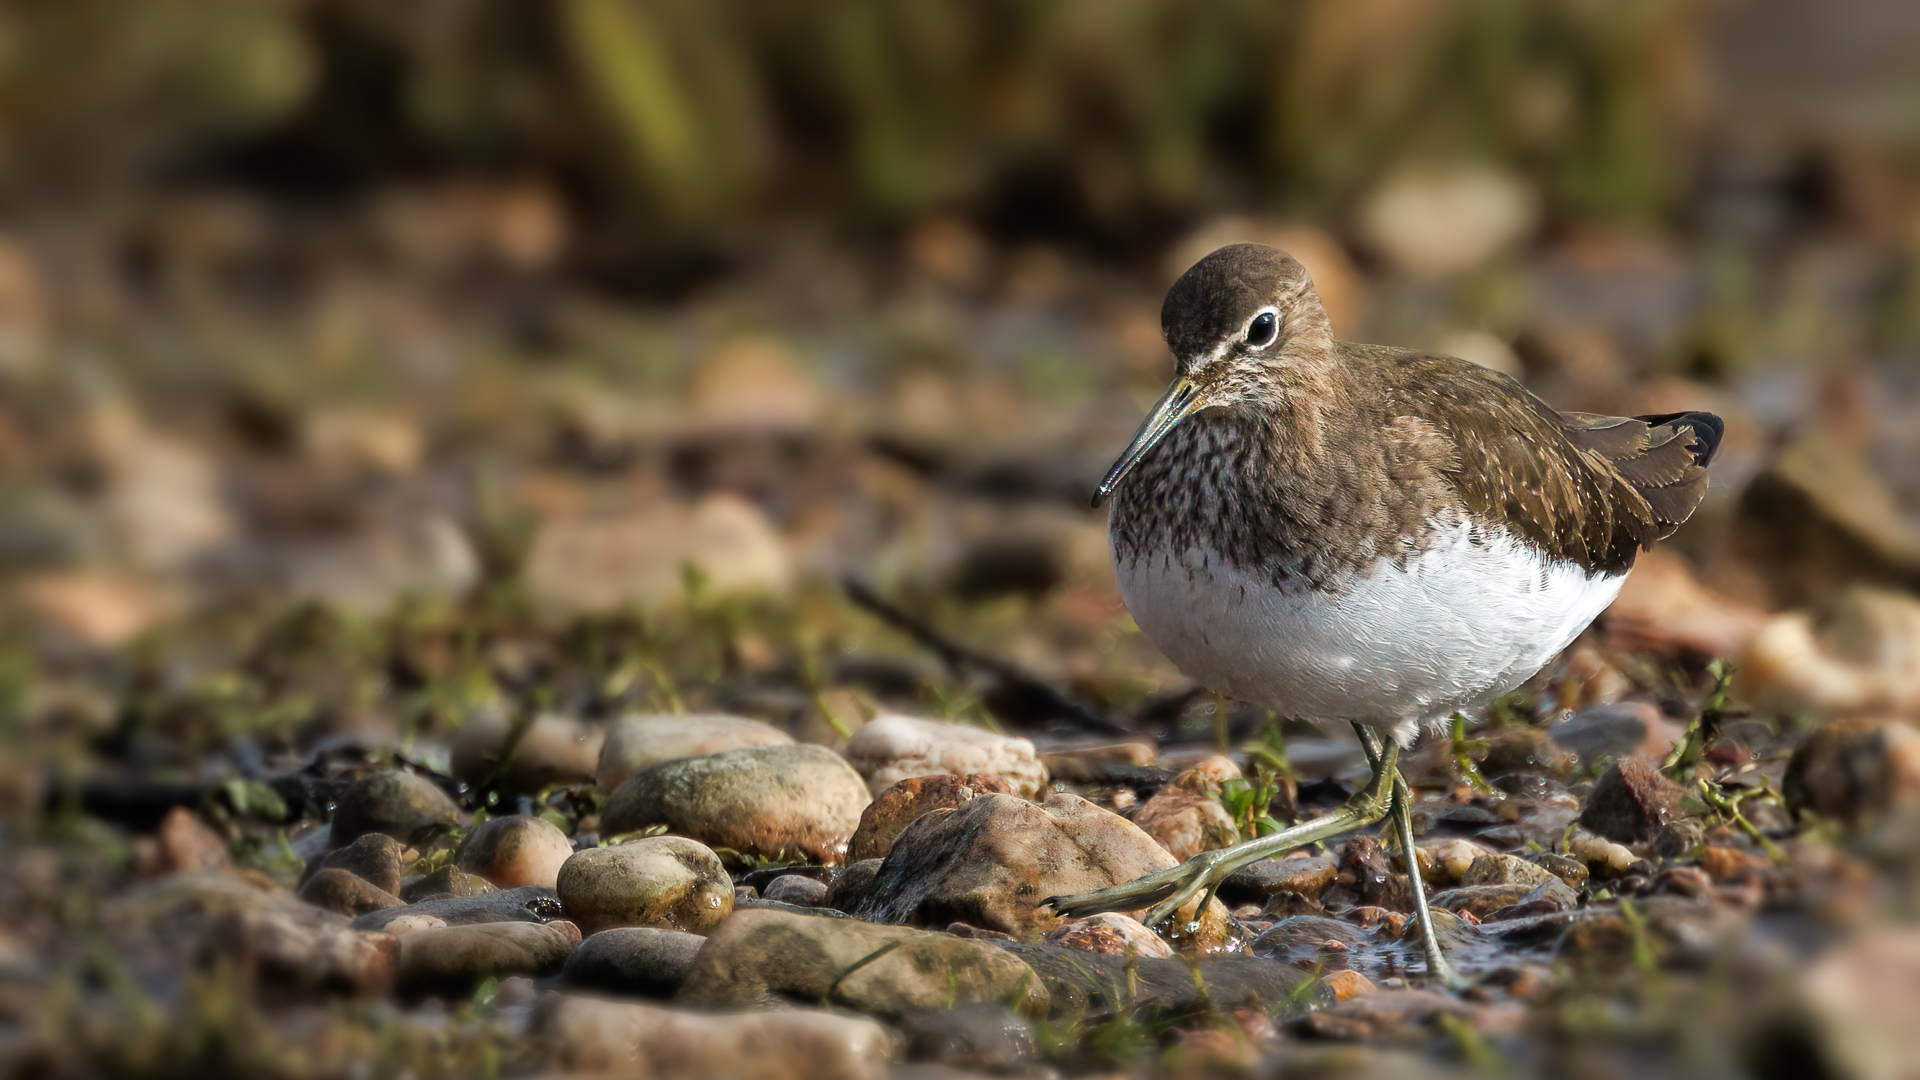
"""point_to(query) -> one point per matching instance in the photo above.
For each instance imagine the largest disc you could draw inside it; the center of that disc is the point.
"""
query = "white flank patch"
(1395, 648)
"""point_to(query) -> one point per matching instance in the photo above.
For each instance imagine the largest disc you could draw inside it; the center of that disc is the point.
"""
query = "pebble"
(514, 850)
(554, 750)
(1603, 857)
(643, 961)
(851, 884)
(1450, 858)
(1855, 654)
(1630, 802)
(588, 1036)
(375, 858)
(763, 957)
(187, 844)
(1524, 751)
(640, 559)
(1436, 222)
(1863, 996)
(400, 804)
(446, 881)
(285, 945)
(1855, 770)
(1620, 729)
(665, 881)
(1185, 816)
(345, 893)
(893, 747)
(452, 960)
(1482, 901)
(635, 742)
(769, 801)
(902, 804)
(990, 862)
(1094, 764)
(499, 905)
(1663, 609)
(798, 890)
(1304, 876)
(984, 1038)
(1110, 933)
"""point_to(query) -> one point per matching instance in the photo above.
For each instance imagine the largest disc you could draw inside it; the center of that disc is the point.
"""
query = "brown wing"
(1591, 489)
(1664, 458)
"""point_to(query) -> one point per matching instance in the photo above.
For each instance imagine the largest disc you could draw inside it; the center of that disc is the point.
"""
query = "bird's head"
(1232, 321)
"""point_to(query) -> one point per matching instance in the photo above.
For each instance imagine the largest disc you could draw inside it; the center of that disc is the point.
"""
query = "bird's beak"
(1174, 406)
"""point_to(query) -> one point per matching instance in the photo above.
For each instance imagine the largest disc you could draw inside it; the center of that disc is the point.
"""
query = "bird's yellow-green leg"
(1402, 812)
(1171, 889)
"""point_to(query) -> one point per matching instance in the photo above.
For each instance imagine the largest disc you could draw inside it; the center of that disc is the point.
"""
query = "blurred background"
(369, 367)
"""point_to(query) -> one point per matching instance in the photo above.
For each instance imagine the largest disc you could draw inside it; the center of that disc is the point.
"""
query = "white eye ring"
(1263, 329)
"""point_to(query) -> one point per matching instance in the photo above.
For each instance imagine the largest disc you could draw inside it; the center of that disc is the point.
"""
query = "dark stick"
(959, 658)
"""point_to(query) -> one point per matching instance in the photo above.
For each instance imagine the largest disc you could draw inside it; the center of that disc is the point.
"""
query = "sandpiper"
(1352, 532)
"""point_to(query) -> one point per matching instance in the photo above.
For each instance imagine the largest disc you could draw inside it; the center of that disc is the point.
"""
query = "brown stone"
(513, 850)
(1630, 801)
(345, 893)
(992, 861)
(770, 801)
(1185, 816)
(903, 803)
(1855, 769)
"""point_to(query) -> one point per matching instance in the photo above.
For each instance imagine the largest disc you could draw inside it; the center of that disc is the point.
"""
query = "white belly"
(1398, 646)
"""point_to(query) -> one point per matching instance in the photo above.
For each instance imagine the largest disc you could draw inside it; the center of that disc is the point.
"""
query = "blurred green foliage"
(695, 117)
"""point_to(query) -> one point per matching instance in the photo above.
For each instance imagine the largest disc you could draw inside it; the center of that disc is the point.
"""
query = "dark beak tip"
(1099, 496)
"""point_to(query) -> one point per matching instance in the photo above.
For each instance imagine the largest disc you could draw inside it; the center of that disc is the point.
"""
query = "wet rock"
(587, 1036)
(1111, 934)
(1569, 870)
(1630, 802)
(1446, 861)
(797, 890)
(407, 924)
(1094, 764)
(552, 750)
(1310, 940)
(851, 884)
(1379, 876)
(1083, 984)
(345, 894)
(992, 861)
(768, 801)
(400, 804)
(288, 947)
(639, 559)
(1185, 816)
(452, 960)
(1683, 932)
(1305, 876)
(1387, 1012)
(1856, 654)
(1347, 985)
(635, 742)
(1603, 858)
(374, 857)
(1436, 222)
(512, 851)
(1678, 840)
(1481, 901)
(500, 905)
(1854, 770)
(642, 961)
(901, 804)
(446, 881)
(1817, 519)
(1524, 751)
(665, 881)
(985, 1037)
(892, 747)
(1663, 609)
(1621, 729)
(1862, 996)
(763, 958)
(1510, 870)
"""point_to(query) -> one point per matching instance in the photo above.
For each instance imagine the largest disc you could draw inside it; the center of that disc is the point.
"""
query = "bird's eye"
(1263, 329)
